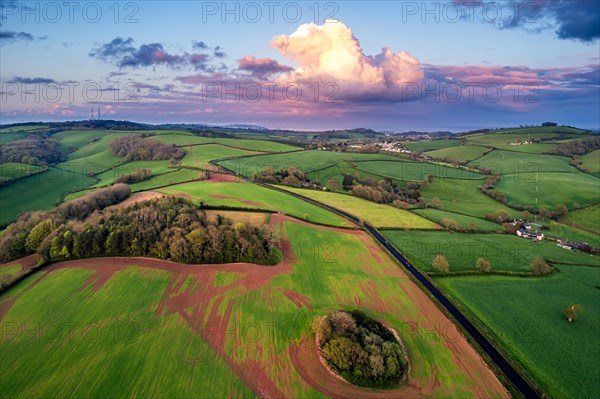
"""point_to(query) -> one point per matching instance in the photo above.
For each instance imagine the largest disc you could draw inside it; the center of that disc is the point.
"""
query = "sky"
(387, 65)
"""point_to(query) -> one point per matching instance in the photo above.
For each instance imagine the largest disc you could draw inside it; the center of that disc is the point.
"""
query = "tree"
(526, 215)
(440, 263)
(539, 267)
(571, 312)
(561, 210)
(38, 233)
(333, 185)
(545, 213)
(291, 181)
(435, 203)
(483, 265)
(306, 216)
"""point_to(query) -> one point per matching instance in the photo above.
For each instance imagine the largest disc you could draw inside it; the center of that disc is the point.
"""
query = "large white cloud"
(331, 53)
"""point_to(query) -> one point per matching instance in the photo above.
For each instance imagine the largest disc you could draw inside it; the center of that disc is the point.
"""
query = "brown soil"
(139, 197)
(224, 178)
(207, 310)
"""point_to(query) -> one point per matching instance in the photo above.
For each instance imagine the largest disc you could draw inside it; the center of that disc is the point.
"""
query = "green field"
(378, 215)
(423, 146)
(8, 272)
(23, 128)
(548, 189)
(591, 161)
(37, 192)
(464, 153)
(505, 252)
(587, 218)
(416, 171)
(508, 162)
(165, 179)
(467, 222)
(463, 196)
(199, 155)
(525, 316)
(175, 331)
(70, 140)
(157, 167)
(306, 161)
(8, 137)
(185, 139)
(245, 195)
(13, 171)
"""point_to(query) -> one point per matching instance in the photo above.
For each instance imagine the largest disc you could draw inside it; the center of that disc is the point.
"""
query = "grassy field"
(199, 155)
(416, 171)
(157, 167)
(540, 189)
(244, 195)
(185, 139)
(463, 153)
(587, 218)
(378, 215)
(463, 196)
(469, 222)
(592, 162)
(525, 316)
(306, 161)
(168, 178)
(13, 171)
(505, 252)
(8, 137)
(8, 272)
(37, 192)
(157, 329)
(508, 162)
(71, 140)
(423, 146)
(23, 128)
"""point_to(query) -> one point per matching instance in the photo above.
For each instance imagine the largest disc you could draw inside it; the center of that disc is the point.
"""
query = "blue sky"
(548, 53)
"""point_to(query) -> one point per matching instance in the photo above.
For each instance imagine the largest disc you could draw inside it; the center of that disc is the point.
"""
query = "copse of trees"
(135, 177)
(361, 350)
(35, 149)
(577, 147)
(291, 176)
(82, 207)
(136, 148)
(382, 191)
(167, 228)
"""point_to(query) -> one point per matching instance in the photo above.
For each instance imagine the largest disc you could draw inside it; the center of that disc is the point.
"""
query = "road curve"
(499, 360)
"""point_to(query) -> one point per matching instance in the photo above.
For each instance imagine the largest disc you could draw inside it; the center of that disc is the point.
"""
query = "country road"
(499, 360)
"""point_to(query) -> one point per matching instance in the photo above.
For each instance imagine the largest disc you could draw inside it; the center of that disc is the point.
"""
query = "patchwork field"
(378, 215)
(541, 189)
(416, 171)
(505, 252)
(40, 191)
(511, 163)
(423, 146)
(244, 195)
(525, 316)
(199, 155)
(234, 330)
(464, 153)
(587, 218)
(592, 162)
(13, 171)
(463, 196)
(467, 222)
(185, 139)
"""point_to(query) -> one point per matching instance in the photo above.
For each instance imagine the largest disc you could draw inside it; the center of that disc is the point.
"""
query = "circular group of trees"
(361, 350)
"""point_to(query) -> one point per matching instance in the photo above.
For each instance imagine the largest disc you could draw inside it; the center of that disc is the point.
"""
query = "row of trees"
(35, 149)
(291, 176)
(167, 228)
(382, 191)
(361, 350)
(135, 177)
(136, 148)
(538, 266)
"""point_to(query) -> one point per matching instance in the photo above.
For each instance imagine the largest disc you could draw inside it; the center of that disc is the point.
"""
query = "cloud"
(570, 19)
(219, 53)
(124, 54)
(261, 67)
(9, 37)
(199, 45)
(331, 53)
(19, 79)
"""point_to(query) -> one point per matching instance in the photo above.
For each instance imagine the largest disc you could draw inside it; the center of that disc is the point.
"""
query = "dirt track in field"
(207, 309)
